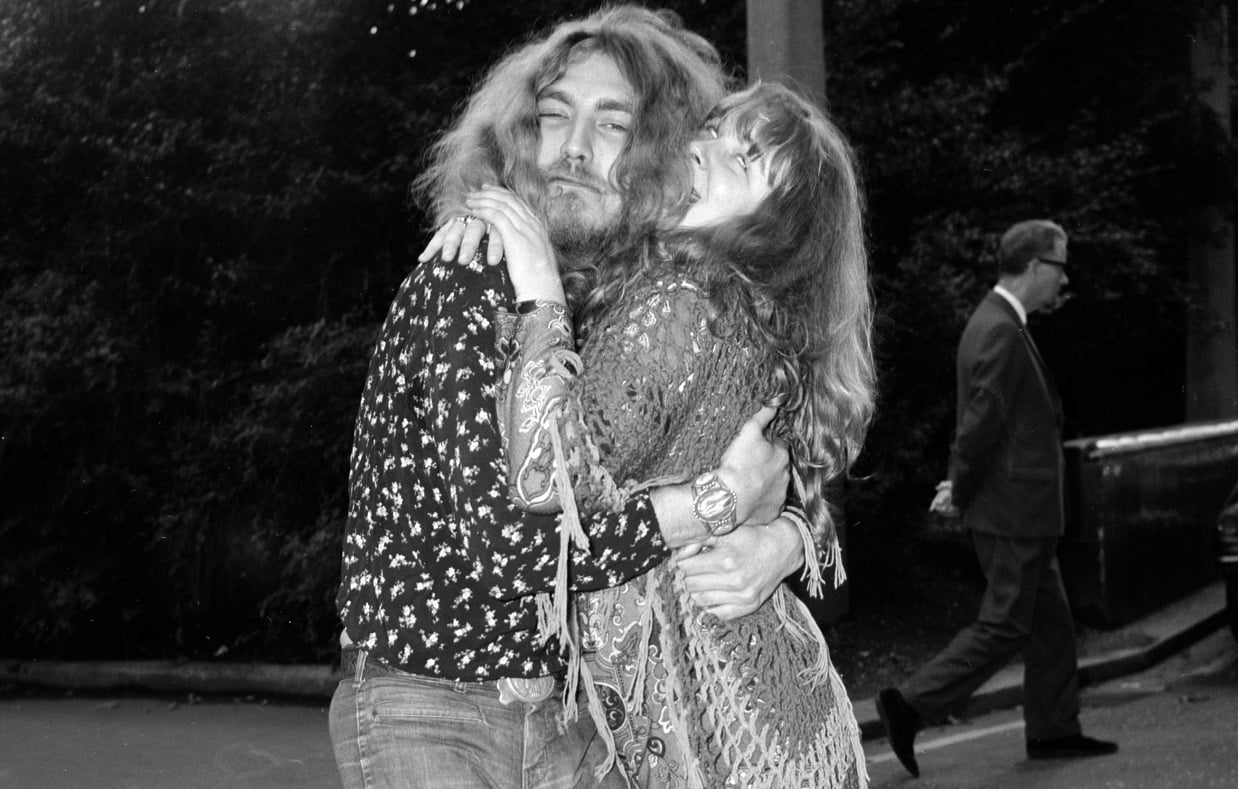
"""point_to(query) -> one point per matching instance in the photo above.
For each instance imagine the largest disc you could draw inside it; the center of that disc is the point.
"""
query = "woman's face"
(729, 179)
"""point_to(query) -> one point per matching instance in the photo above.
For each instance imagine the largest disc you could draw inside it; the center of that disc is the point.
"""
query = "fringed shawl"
(686, 699)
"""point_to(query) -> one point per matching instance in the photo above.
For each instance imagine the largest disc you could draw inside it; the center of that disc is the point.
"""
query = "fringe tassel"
(599, 718)
(636, 700)
(675, 697)
(812, 563)
(819, 671)
(834, 558)
(575, 665)
(571, 532)
(656, 482)
(832, 547)
(789, 624)
(557, 615)
(545, 615)
(850, 726)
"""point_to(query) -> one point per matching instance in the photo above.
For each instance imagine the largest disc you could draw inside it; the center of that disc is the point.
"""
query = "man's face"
(584, 118)
(1051, 277)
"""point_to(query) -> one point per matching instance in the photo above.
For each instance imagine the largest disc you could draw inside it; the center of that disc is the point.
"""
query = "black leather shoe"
(901, 722)
(1071, 747)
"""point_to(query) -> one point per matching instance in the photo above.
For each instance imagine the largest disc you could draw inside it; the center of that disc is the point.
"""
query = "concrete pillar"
(1211, 338)
(786, 42)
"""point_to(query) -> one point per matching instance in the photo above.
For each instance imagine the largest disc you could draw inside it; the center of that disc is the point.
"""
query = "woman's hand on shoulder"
(525, 243)
(459, 239)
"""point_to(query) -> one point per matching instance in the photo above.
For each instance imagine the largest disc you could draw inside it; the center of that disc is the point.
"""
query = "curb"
(1172, 629)
(168, 676)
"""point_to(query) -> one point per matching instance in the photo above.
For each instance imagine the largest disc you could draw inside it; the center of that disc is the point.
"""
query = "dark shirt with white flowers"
(439, 567)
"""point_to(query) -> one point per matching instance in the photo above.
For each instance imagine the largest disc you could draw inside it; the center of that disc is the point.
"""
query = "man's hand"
(943, 502)
(737, 572)
(757, 470)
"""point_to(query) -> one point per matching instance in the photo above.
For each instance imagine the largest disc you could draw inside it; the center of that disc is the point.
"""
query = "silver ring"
(464, 220)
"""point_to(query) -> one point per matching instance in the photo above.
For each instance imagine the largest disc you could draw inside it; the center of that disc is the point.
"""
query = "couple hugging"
(597, 432)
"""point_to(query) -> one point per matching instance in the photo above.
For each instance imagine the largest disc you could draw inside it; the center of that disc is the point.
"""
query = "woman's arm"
(651, 364)
(540, 417)
(757, 471)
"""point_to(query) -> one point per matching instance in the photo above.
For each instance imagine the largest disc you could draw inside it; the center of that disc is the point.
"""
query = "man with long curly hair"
(448, 679)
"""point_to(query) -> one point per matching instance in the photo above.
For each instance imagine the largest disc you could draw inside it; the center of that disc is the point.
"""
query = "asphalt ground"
(1103, 655)
(92, 742)
(156, 725)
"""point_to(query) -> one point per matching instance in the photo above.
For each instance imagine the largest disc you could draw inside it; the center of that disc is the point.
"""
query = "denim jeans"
(394, 729)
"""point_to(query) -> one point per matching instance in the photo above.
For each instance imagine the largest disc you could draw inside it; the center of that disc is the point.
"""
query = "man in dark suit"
(1005, 480)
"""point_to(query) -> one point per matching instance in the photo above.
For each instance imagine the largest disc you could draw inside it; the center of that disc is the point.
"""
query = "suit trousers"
(1024, 610)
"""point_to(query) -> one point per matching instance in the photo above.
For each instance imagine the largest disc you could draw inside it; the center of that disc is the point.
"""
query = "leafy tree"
(192, 204)
(206, 215)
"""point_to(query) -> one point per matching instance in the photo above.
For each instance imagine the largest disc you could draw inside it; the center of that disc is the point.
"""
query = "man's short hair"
(1025, 241)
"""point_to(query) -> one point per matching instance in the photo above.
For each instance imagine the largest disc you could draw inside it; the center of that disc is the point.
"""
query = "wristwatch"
(713, 504)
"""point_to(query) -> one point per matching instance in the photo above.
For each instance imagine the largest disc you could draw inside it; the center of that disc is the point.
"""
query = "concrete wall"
(1141, 517)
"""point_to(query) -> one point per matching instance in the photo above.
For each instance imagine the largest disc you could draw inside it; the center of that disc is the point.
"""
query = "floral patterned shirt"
(439, 567)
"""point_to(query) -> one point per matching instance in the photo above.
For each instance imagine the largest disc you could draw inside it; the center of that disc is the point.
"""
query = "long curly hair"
(792, 276)
(676, 77)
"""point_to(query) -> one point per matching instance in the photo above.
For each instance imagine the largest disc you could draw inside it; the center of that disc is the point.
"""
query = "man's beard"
(574, 232)
(578, 226)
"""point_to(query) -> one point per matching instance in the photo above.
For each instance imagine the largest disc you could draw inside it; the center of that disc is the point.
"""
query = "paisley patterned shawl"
(690, 700)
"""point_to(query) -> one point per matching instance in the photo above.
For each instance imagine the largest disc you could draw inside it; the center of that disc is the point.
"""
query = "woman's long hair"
(793, 276)
(675, 76)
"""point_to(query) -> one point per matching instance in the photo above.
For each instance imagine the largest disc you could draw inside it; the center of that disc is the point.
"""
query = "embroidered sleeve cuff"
(544, 326)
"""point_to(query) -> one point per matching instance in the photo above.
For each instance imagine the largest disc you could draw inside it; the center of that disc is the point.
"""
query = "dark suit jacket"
(1006, 460)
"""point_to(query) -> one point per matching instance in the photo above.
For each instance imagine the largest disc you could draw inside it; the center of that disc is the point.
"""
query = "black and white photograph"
(679, 394)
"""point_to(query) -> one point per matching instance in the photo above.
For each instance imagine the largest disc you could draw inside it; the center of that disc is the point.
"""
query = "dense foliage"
(205, 216)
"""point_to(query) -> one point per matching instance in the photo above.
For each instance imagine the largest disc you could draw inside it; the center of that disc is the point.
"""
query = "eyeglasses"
(1059, 263)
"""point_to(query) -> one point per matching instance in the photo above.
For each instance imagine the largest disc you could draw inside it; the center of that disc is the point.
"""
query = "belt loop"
(359, 673)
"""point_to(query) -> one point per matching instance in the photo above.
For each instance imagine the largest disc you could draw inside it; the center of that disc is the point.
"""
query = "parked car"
(1227, 556)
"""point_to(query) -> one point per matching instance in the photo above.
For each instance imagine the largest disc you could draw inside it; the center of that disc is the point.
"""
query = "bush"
(205, 217)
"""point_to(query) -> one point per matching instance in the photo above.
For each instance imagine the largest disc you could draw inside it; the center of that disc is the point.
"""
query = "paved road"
(160, 743)
(1177, 725)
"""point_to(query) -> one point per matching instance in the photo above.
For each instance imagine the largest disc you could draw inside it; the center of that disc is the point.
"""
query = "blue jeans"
(394, 729)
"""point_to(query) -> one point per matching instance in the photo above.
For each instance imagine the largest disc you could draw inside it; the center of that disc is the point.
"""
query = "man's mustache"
(582, 177)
